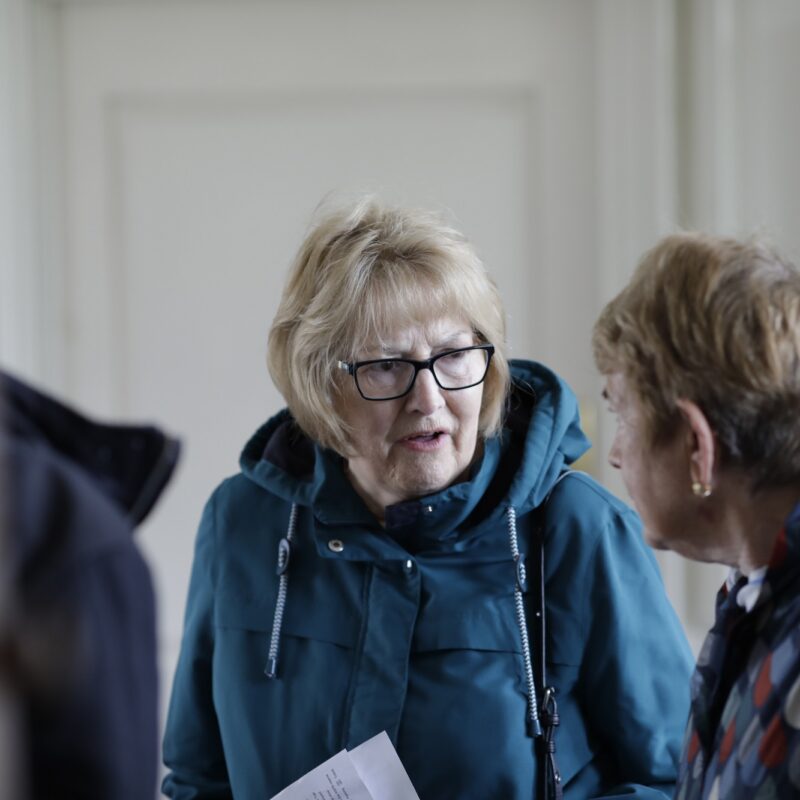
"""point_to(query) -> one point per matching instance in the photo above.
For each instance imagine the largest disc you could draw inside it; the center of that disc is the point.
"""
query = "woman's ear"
(702, 447)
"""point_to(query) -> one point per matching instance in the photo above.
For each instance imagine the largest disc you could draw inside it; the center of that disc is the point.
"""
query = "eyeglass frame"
(427, 363)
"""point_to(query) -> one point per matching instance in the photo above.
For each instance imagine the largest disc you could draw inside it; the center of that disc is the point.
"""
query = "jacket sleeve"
(635, 678)
(193, 749)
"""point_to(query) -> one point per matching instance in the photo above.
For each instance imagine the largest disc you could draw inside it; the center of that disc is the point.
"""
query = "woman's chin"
(420, 479)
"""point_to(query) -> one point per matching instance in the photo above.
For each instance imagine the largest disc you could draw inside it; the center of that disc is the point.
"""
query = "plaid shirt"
(743, 735)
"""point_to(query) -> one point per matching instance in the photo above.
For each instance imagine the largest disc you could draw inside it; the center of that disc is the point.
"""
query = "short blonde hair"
(361, 270)
(715, 321)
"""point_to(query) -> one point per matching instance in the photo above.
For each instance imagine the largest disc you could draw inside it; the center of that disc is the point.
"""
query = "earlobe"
(702, 448)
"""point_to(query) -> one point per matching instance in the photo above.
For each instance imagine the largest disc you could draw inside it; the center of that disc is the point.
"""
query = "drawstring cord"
(282, 569)
(520, 588)
(543, 720)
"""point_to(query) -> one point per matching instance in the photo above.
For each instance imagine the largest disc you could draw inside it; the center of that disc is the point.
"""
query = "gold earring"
(701, 489)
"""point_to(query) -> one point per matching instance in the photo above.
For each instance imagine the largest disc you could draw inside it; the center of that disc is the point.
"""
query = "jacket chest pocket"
(301, 620)
(311, 643)
(313, 670)
(489, 625)
(474, 645)
(313, 667)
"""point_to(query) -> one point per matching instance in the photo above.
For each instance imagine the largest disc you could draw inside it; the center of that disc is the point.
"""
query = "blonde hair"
(361, 270)
(715, 321)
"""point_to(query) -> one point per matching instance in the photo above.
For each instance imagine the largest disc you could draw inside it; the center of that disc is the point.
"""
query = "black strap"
(549, 778)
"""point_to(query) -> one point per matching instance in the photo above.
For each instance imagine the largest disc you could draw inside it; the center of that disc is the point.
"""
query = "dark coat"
(79, 621)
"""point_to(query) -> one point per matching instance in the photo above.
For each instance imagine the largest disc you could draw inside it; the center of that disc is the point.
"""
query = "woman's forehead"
(406, 337)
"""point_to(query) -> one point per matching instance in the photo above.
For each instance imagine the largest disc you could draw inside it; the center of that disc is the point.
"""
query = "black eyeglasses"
(390, 378)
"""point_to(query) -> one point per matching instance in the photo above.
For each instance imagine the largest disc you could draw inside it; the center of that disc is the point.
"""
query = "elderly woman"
(366, 571)
(701, 352)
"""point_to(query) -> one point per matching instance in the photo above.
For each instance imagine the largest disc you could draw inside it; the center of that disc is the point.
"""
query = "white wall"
(17, 264)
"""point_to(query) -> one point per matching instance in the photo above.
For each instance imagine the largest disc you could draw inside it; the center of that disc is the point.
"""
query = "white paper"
(371, 771)
(335, 779)
(381, 770)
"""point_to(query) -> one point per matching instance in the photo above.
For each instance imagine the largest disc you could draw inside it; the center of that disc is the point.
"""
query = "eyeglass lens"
(389, 377)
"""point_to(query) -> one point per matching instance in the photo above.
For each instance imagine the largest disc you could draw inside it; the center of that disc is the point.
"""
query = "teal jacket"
(412, 628)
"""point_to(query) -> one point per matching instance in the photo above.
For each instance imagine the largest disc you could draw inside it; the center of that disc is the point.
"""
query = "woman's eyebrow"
(453, 339)
(395, 350)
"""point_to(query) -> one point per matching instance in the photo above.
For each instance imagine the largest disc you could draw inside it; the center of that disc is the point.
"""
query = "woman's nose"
(425, 395)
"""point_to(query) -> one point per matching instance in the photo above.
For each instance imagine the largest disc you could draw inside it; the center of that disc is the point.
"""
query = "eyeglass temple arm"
(343, 365)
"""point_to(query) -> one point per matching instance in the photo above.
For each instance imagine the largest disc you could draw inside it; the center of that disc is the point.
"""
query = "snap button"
(336, 545)
(428, 509)
(408, 566)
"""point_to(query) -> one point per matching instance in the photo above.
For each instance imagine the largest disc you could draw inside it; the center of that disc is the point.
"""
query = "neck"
(377, 495)
(377, 505)
(752, 521)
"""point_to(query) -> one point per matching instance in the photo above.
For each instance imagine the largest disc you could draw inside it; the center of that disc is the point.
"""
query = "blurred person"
(701, 353)
(78, 676)
(368, 568)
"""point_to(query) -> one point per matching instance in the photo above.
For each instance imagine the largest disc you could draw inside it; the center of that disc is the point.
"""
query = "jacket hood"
(542, 434)
(130, 465)
(540, 437)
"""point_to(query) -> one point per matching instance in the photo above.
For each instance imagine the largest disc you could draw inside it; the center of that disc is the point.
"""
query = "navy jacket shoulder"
(82, 627)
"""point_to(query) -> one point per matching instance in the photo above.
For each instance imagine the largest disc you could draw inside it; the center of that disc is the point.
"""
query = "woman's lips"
(424, 441)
